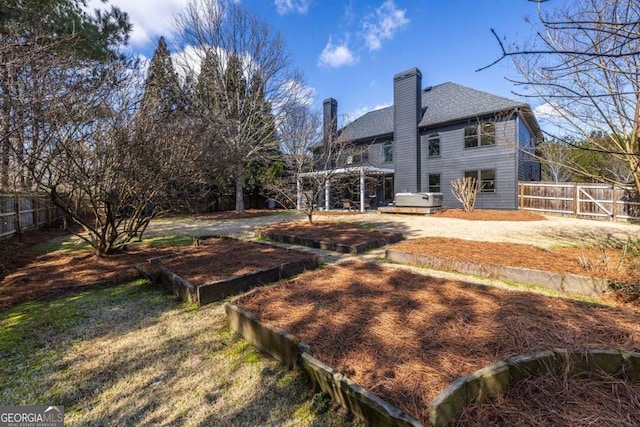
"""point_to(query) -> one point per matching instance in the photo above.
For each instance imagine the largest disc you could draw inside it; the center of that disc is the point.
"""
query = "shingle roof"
(373, 123)
(444, 103)
(451, 102)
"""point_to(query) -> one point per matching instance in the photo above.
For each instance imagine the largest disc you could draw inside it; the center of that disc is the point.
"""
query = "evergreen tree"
(162, 96)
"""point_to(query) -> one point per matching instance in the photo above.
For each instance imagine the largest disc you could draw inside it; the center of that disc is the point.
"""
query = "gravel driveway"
(551, 232)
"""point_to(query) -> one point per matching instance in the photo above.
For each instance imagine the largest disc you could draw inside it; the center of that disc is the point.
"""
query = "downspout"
(362, 189)
(327, 194)
(517, 158)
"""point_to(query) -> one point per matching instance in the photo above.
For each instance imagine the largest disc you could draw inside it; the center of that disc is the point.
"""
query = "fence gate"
(595, 201)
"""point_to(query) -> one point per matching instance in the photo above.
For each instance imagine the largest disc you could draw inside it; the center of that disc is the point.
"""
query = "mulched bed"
(54, 274)
(406, 337)
(51, 275)
(329, 231)
(596, 399)
(16, 252)
(218, 258)
(608, 263)
(490, 215)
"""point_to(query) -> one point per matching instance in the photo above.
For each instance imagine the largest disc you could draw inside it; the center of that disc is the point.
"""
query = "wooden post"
(520, 195)
(614, 211)
(575, 200)
(17, 226)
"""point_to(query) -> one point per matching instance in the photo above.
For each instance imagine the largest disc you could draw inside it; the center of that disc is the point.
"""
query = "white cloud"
(382, 24)
(551, 119)
(335, 56)
(361, 111)
(150, 18)
(292, 6)
(300, 93)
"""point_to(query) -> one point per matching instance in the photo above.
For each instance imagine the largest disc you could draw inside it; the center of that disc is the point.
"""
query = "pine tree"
(162, 96)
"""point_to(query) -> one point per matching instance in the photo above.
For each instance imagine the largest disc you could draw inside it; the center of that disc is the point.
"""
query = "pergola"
(363, 171)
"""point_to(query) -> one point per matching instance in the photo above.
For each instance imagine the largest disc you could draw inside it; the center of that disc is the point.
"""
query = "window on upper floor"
(387, 152)
(480, 135)
(434, 183)
(433, 145)
(357, 155)
(486, 177)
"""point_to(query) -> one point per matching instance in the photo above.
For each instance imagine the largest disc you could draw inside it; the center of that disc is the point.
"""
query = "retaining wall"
(216, 290)
(484, 384)
(489, 382)
(330, 246)
(584, 285)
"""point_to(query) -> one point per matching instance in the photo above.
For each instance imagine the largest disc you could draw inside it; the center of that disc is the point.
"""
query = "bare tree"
(309, 164)
(249, 73)
(101, 167)
(583, 64)
(465, 190)
(556, 159)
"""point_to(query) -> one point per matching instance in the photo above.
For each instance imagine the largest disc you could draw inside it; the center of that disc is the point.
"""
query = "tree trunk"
(239, 190)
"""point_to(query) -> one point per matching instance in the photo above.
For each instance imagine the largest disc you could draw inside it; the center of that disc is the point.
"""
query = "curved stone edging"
(295, 353)
(584, 285)
(329, 246)
(489, 382)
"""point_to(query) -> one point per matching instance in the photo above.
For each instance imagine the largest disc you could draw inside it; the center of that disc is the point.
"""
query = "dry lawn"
(122, 356)
(406, 337)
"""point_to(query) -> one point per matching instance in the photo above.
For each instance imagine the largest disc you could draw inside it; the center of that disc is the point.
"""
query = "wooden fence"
(19, 212)
(591, 201)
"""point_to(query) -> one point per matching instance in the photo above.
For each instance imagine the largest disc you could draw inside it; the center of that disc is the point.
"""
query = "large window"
(433, 145)
(357, 155)
(479, 135)
(387, 152)
(486, 177)
(434, 183)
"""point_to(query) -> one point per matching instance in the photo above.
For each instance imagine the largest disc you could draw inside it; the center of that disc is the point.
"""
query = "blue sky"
(350, 50)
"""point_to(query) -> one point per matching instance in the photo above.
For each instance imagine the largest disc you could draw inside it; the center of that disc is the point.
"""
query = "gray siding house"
(431, 136)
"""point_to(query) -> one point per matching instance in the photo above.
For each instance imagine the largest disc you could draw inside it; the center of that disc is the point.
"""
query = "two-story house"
(431, 136)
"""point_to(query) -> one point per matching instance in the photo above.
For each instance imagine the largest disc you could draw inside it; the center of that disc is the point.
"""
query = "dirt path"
(555, 231)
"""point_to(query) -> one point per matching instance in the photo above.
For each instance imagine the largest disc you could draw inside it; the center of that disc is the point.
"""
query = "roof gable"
(444, 103)
(450, 102)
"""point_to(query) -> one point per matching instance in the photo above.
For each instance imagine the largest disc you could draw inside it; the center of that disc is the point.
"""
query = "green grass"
(61, 244)
(168, 241)
(133, 355)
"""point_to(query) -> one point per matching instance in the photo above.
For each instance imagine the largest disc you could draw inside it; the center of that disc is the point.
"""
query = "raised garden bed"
(334, 236)
(586, 271)
(220, 267)
(407, 337)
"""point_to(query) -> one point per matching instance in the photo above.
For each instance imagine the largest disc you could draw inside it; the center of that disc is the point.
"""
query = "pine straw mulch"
(592, 399)
(218, 258)
(406, 337)
(490, 215)
(58, 273)
(621, 265)
(329, 231)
